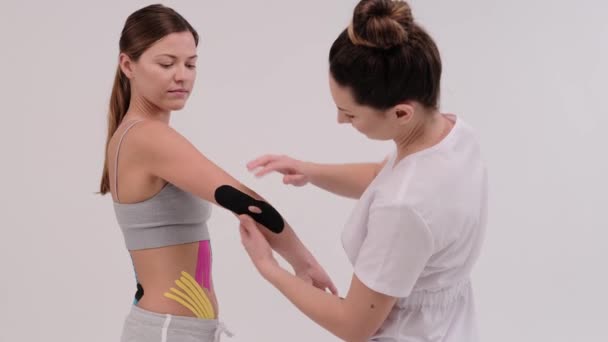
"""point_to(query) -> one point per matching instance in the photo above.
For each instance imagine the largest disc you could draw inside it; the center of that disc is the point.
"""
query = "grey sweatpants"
(146, 326)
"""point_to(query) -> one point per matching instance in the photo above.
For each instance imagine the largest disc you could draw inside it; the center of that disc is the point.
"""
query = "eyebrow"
(174, 57)
(342, 109)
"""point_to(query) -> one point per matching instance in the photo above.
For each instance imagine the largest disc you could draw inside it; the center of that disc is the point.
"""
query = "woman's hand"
(293, 170)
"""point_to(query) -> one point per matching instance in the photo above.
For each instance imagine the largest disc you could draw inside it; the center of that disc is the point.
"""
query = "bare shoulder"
(153, 138)
(149, 132)
(160, 151)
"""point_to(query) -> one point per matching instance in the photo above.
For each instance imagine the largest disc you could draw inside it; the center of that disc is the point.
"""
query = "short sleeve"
(395, 250)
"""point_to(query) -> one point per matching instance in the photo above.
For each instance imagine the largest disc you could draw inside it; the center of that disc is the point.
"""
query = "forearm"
(349, 180)
(322, 307)
(290, 247)
(286, 243)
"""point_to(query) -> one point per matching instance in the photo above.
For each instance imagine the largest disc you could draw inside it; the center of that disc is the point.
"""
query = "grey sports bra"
(170, 217)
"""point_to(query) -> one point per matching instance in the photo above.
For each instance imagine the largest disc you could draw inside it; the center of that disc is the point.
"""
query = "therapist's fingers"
(328, 285)
(244, 232)
(247, 229)
(248, 224)
(297, 180)
(261, 161)
(279, 166)
(252, 234)
(333, 289)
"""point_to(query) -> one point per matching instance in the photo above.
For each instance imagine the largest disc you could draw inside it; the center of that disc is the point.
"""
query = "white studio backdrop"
(529, 76)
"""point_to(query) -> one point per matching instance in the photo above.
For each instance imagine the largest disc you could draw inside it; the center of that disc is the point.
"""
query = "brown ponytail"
(119, 104)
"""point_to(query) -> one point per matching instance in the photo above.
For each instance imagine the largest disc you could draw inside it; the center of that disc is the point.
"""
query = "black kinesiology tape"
(140, 292)
(239, 203)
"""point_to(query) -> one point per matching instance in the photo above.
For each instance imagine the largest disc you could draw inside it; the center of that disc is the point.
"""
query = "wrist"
(303, 264)
(300, 259)
(268, 269)
(293, 250)
(306, 168)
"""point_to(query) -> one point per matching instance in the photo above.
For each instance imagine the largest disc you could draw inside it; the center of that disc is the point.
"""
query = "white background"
(529, 76)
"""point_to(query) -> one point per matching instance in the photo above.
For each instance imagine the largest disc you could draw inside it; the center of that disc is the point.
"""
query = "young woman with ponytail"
(163, 188)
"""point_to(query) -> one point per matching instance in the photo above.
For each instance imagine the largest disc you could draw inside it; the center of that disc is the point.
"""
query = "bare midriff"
(177, 280)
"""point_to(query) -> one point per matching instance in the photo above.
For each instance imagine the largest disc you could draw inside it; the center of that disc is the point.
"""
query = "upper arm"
(168, 155)
(366, 309)
(391, 258)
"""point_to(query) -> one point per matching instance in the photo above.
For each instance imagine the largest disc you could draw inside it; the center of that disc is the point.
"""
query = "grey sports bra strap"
(116, 160)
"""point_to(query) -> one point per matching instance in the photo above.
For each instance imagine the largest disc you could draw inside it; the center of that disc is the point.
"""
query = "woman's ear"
(403, 112)
(126, 65)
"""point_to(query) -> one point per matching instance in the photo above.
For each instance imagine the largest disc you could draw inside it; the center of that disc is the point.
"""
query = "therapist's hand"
(293, 170)
(257, 246)
(316, 275)
(260, 252)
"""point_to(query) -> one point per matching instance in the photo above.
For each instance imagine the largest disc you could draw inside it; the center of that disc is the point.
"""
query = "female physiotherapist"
(416, 231)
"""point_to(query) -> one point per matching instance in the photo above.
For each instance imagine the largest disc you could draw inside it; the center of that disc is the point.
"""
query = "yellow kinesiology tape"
(192, 296)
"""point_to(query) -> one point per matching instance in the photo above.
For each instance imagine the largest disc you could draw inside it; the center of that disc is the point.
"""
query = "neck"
(423, 133)
(140, 108)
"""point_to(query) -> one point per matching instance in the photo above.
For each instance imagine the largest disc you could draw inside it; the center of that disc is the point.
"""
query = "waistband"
(195, 326)
(441, 298)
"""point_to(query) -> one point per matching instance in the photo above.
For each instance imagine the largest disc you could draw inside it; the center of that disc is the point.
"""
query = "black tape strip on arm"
(239, 203)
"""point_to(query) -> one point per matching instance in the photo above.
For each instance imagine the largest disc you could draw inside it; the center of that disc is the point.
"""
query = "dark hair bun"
(381, 24)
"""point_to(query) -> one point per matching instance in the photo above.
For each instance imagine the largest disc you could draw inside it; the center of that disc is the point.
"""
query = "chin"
(369, 136)
(176, 106)
(375, 137)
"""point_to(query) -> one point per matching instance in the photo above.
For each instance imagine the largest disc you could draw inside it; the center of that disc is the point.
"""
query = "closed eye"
(345, 113)
(167, 66)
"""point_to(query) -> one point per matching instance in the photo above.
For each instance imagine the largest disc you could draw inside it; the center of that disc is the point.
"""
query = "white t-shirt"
(416, 233)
